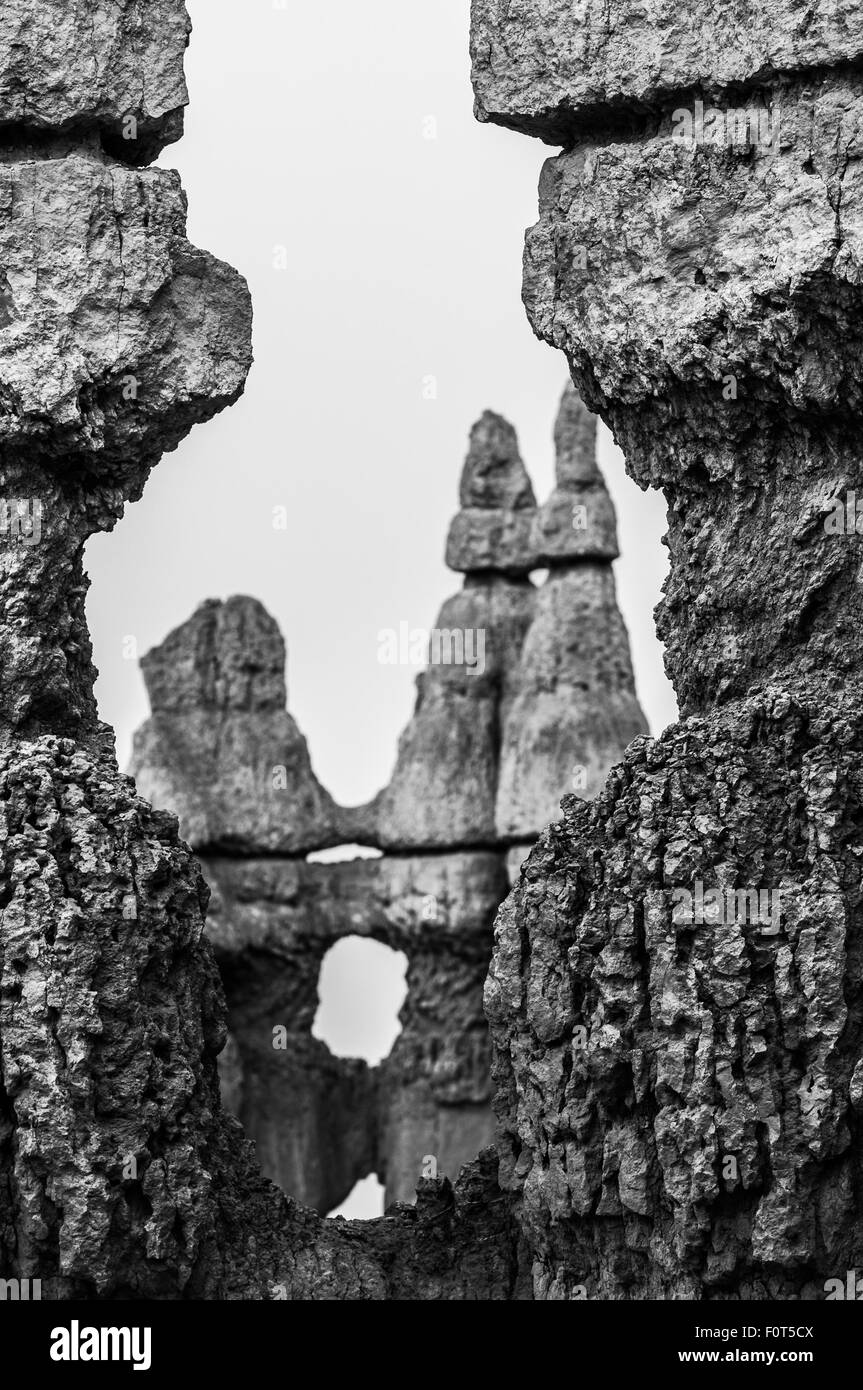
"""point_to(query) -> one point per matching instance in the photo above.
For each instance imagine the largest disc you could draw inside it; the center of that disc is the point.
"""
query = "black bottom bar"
(63, 1341)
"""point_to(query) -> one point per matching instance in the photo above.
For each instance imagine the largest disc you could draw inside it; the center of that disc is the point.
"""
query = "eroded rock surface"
(681, 956)
(443, 787)
(550, 67)
(111, 69)
(120, 1174)
(220, 748)
(492, 531)
(320, 1122)
(574, 706)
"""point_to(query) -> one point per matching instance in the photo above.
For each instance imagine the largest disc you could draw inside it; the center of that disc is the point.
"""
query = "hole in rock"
(343, 854)
(361, 989)
(365, 1202)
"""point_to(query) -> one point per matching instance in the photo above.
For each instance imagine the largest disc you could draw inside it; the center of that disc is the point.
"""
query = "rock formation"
(681, 958)
(492, 531)
(117, 336)
(94, 73)
(574, 708)
(443, 789)
(675, 988)
(120, 1175)
(320, 1122)
(220, 749)
(218, 731)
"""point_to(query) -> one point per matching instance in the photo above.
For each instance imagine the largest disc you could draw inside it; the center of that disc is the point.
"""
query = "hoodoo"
(218, 729)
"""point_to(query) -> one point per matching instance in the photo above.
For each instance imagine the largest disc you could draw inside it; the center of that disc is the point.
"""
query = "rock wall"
(120, 1174)
(117, 336)
(511, 700)
(681, 956)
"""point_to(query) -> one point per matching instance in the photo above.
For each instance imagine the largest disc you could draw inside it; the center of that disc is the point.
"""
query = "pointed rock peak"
(578, 521)
(491, 533)
(575, 441)
(228, 656)
(494, 476)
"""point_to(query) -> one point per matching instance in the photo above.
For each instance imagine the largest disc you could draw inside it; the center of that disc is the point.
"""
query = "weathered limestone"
(679, 1092)
(553, 68)
(697, 1132)
(492, 532)
(322, 1123)
(443, 788)
(120, 1175)
(574, 709)
(220, 748)
(218, 694)
(111, 69)
(578, 521)
(489, 753)
(117, 336)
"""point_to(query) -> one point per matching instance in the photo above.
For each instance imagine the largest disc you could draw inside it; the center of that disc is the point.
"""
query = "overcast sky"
(309, 130)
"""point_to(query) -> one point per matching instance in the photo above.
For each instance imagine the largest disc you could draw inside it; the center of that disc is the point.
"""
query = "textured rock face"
(321, 1123)
(578, 521)
(120, 1175)
(140, 334)
(492, 531)
(545, 66)
(96, 888)
(574, 706)
(109, 68)
(442, 791)
(217, 690)
(117, 336)
(221, 750)
(681, 956)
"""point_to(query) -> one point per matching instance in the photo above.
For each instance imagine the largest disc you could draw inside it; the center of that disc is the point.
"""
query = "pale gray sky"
(307, 129)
